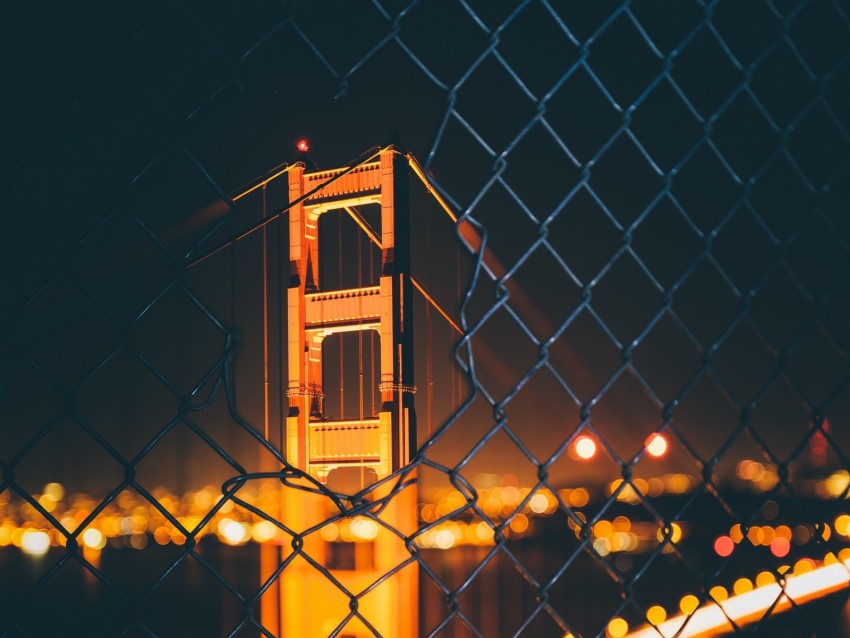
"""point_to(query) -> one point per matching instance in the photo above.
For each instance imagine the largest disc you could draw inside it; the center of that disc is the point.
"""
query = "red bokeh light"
(780, 546)
(302, 145)
(724, 546)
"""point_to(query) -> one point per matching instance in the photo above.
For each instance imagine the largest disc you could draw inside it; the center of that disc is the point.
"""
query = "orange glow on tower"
(348, 456)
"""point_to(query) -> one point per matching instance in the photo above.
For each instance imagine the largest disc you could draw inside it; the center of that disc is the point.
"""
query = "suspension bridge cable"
(353, 165)
(265, 253)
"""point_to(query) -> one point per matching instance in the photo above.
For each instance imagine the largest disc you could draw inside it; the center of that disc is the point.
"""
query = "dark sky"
(664, 190)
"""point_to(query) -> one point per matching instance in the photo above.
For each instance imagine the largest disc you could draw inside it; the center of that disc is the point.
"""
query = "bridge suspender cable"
(363, 159)
(371, 234)
(267, 219)
(266, 396)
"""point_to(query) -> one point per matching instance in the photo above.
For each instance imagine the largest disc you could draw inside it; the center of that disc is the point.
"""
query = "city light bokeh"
(510, 511)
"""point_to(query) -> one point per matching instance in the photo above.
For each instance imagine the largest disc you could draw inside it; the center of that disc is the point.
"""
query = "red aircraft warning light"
(302, 145)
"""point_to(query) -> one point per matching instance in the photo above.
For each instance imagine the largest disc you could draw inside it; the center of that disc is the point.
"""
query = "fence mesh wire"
(660, 189)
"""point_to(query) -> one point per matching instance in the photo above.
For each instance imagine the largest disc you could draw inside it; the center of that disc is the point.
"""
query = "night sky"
(667, 194)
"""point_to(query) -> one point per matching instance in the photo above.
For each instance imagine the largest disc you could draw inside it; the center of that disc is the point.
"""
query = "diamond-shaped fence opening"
(630, 353)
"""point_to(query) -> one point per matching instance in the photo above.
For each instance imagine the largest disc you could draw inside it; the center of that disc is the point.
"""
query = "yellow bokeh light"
(57, 539)
(538, 503)
(94, 538)
(484, 531)
(765, 578)
(232, 532)
(836, 483)
(17, 536)
(621, 524)
(679, 483)
(68, 522)
(189, 522)
(444, 539)
(620, 541)
(111, 526)
(617, 628)
(628, 494)
(519, 523)
(655, 486)
(363, 528)
(614, 485)
(126, 500)
(602, 546)
(736, 534)
(263, 531)
(329, 532)
(204, 498)
(675, 533)
(579, 497)
(678, 533)
(783, 531)
(47, 502)
(428, 512)
(718, 593)
(55, 491)
(35, 542)
(842, 524)
(803, 566)
(750, 470)
(510, 496)
(162, 535)
(742, 586)
(755, 535)
(603, 528)
(688, 604)
(656, 615)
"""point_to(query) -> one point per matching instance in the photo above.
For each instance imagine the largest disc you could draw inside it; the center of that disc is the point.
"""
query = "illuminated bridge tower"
(339, 452)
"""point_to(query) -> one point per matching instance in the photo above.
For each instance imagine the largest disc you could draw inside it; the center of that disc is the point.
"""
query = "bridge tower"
(306, 602)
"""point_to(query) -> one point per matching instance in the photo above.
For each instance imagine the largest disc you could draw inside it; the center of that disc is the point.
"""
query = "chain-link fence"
(642, 426)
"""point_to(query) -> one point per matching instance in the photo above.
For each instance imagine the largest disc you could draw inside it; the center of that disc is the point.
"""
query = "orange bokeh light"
(656, 445)
(585, 447)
